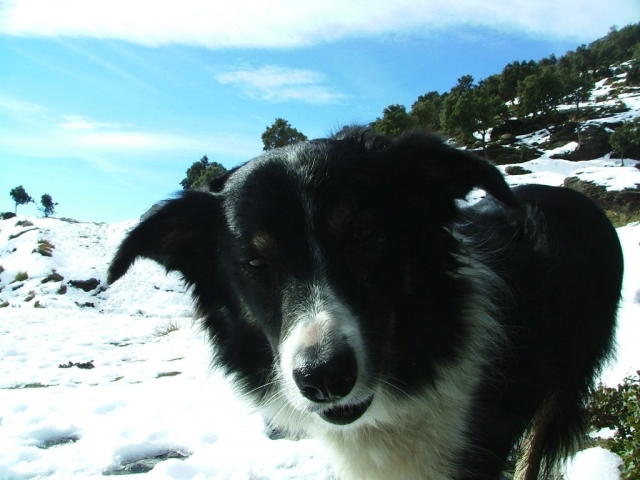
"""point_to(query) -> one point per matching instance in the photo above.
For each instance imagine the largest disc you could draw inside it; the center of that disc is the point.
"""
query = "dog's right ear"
(181, 234)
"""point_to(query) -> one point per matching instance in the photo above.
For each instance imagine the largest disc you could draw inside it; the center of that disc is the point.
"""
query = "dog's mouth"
(344, 415)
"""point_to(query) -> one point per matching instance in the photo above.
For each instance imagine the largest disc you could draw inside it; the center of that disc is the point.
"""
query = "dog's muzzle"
(328, 381)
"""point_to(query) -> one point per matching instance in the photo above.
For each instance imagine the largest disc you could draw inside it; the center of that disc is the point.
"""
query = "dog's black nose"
(330, 380)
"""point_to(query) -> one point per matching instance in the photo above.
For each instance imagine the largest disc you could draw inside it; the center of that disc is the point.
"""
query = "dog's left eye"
(363, 231)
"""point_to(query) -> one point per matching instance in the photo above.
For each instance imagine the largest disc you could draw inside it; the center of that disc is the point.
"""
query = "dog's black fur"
(353, 300)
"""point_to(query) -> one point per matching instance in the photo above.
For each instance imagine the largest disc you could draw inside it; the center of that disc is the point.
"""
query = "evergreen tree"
(20, 197)
(625, 137)
(633, 74)
(214, 170)
(193, 173)
(541, 93)
(458, 110)
(472, 109)
(489, 108)
(425, 112)
(200, 173)
(395, 120)
(578, 89)
(512, 75)
(281, 134)
(47, 206)
(458, 115)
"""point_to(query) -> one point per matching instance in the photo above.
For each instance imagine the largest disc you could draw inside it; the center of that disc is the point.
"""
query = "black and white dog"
(354, 301)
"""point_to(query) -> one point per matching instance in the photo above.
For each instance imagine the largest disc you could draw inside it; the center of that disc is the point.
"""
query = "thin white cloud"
(292, 23)
(19, 107)
(38, 132)
(279, 84)
(77, 122)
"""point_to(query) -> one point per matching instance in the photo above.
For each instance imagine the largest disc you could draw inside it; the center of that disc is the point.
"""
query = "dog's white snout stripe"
(320, 330)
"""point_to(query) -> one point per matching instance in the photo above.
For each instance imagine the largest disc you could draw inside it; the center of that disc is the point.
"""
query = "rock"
(144, 465)
(516, 170)
(82, 365)
(564, 133)
(593, 142)
(86, 285)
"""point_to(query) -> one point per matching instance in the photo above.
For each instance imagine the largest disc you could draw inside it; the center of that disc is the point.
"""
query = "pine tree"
(625, 137)
(200, 173)
(20, 196)
(48, 207)
(281, 134)
(395, 120)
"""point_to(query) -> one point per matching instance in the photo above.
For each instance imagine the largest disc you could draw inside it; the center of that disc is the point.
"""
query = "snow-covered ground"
(151, 393)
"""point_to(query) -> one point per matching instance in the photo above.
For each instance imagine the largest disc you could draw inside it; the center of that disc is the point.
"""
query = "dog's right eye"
(256, 263)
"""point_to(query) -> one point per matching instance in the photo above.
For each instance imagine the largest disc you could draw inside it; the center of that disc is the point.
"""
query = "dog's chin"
(345, 414)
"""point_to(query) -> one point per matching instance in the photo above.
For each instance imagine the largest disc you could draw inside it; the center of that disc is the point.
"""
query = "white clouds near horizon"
(290, 23)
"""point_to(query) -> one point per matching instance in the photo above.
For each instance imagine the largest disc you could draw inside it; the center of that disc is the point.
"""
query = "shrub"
(21, 277)
(62, 290)
(30, 296)
(619, 409)
(24, 223)
(4, 304)
(53, 277)
(37, 304)
(45, 248)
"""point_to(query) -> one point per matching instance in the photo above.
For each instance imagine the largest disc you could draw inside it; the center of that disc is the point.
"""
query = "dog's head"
(323, 270)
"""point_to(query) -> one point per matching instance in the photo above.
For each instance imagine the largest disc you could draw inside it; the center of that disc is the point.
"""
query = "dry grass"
(167, 328)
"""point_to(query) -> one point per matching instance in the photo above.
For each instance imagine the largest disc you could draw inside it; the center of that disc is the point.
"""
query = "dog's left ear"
(454, 173)
(181, 234)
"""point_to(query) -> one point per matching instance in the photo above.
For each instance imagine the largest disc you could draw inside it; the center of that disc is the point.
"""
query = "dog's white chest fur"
(421, 446)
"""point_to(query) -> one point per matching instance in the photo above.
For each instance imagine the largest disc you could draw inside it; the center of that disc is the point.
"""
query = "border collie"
(354, 299)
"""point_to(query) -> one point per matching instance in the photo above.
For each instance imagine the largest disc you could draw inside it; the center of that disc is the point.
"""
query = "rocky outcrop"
(593, 142)
(627, 200)
(504, 154)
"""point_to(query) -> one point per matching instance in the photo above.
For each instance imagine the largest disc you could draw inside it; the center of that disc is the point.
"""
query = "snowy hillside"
(99, 381)
(150, 393)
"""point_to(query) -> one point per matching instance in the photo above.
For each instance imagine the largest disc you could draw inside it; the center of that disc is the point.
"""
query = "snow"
(151, 392)
(594, 464)
(74, 423)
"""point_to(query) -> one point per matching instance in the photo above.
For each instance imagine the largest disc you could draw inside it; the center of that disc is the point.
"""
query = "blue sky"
(105, 104)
